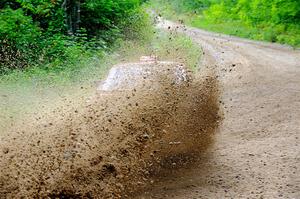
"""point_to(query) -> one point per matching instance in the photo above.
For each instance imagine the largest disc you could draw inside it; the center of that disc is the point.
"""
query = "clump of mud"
(111, 146)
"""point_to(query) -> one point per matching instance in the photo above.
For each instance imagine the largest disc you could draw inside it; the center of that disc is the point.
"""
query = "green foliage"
(270, 20)
(257, 11)
(18, 36)
(188, 5)
(103, 18)
(177, 47)
(137, 26)
(47, 32)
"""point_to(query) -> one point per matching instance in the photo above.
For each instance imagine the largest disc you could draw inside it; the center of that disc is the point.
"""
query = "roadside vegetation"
(267, 20)
(59, 40)
(56, 34)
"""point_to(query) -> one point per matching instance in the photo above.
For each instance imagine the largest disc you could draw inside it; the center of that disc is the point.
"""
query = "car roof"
(143, 74)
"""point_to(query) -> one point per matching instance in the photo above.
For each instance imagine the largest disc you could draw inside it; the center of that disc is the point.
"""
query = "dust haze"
(113, 144)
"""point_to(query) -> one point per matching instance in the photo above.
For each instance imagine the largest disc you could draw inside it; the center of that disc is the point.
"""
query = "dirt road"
(109, 146)
(256, 153)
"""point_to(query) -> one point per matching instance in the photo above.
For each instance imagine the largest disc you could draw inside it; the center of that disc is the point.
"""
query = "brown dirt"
(112, 146)
(256, 150)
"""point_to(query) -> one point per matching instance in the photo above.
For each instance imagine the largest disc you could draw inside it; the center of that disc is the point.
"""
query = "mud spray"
(112, 146)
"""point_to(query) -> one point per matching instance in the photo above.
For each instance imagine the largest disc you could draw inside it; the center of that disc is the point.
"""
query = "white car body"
(145, 75)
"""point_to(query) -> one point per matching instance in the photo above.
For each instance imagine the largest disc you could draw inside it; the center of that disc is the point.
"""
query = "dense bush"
(18, 35)
(189, 5)
(38, 32)
(277, 20)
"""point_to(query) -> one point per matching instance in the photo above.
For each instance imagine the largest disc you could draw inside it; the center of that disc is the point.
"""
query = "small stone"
(146, 136)
(5, 150)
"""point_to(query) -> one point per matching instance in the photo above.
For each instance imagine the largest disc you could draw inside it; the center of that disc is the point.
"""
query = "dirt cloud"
(111, 146)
